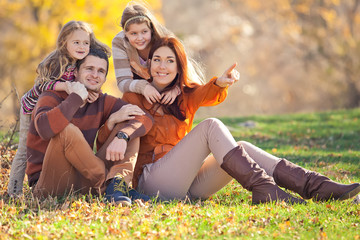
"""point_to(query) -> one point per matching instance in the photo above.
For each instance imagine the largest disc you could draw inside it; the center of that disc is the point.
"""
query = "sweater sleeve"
(206, 95)
(134, 128)
(52, 115)
(123, 71)
(30, 98)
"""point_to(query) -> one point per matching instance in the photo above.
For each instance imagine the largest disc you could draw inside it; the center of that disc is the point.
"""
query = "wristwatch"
(122, 135)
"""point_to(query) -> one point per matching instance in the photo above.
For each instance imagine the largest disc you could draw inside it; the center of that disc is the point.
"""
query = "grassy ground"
(325, 142)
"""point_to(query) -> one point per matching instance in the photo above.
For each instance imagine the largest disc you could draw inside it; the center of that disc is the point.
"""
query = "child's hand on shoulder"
(151, 94)
(93, 96)
(170, 96)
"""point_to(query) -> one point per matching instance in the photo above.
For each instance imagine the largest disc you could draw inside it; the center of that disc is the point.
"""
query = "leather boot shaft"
(238, 164)
(309, 184)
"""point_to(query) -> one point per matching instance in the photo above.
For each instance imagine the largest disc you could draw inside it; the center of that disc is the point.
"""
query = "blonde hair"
(54, 65)
(136, 13)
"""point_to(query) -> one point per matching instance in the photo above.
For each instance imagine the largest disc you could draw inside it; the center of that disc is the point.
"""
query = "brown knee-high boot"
(311, 184)
(238, 164)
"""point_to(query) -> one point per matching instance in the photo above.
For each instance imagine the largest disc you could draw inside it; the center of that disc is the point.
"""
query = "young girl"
(130, 53)
(174, 160)
(54, 73)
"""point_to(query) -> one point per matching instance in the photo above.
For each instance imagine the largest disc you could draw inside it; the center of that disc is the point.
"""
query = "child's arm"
(169, 97)
(61, 86)
(93, 96)
(123, 73)
(151, 94)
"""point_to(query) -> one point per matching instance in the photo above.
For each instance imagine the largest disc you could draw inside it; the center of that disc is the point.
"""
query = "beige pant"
(189, 170)
(18, 166)
(70, 165)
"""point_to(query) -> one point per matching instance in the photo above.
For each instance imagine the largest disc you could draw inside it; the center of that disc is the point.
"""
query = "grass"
(326, 142)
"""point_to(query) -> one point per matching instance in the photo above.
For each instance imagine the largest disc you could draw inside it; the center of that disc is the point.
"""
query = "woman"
(174, 162)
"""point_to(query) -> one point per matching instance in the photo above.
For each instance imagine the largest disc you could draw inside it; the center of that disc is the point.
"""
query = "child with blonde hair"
(55, 72)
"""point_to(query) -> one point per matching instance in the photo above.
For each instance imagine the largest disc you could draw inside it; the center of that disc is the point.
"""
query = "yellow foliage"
(302, 8)
(329, 15)
(30, 29)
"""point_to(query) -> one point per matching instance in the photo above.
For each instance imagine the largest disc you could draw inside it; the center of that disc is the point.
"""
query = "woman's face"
(163, 67)
(139, 35)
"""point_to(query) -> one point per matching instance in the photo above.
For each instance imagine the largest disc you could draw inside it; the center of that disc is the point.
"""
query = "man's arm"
(138, 125)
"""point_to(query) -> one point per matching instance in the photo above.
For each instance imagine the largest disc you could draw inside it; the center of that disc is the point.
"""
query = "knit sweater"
(55, 110)
(167, 130)
(30, 98)
(131, 75)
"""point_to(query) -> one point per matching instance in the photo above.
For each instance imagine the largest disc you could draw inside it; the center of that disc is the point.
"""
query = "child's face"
(78, 44)
(139, 35)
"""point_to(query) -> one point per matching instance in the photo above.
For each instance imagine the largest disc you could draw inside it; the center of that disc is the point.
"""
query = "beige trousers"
(189, 170)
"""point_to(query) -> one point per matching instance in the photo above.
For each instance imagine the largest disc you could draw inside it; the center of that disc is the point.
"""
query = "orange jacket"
(167, 130)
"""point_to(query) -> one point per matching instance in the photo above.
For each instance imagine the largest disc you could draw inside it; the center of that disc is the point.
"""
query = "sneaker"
(116, 192)
(134, 195)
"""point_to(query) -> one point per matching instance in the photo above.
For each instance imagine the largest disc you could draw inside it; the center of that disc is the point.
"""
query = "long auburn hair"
(182, 78)
(54, 65)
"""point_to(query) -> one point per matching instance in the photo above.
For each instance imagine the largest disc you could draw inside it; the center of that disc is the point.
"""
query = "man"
(63, 130)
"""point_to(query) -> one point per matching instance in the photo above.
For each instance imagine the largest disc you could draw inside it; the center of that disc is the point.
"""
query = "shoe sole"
(350, 194)
(123, 203)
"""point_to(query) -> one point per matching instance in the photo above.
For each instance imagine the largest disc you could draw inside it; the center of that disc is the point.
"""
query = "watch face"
(122, 135)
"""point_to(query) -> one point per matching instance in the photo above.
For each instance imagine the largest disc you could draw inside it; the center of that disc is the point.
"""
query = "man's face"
(92, 73)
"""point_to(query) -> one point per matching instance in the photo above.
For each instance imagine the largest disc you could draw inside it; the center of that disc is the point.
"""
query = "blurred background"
(293, 55)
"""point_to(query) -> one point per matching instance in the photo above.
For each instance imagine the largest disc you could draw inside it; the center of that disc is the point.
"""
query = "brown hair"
(136, 13)
(182, 78)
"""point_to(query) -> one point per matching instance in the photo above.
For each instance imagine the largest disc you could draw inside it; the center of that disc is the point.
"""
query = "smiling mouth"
(162, 74)
(92, 82)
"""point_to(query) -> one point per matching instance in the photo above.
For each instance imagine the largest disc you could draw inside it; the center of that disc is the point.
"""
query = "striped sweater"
(131, 74)
(29, 100)
(55, 110)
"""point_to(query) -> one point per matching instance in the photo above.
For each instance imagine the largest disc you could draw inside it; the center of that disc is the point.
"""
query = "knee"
(213, 122)
(71, 133)
(70, 129)
(242, 143)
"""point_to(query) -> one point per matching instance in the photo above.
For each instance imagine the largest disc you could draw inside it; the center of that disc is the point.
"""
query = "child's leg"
(18, 165)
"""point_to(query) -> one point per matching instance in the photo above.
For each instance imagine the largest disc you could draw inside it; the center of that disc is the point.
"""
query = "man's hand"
(116, 149)
(78, 88)
(126, 112)
(229, 77)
